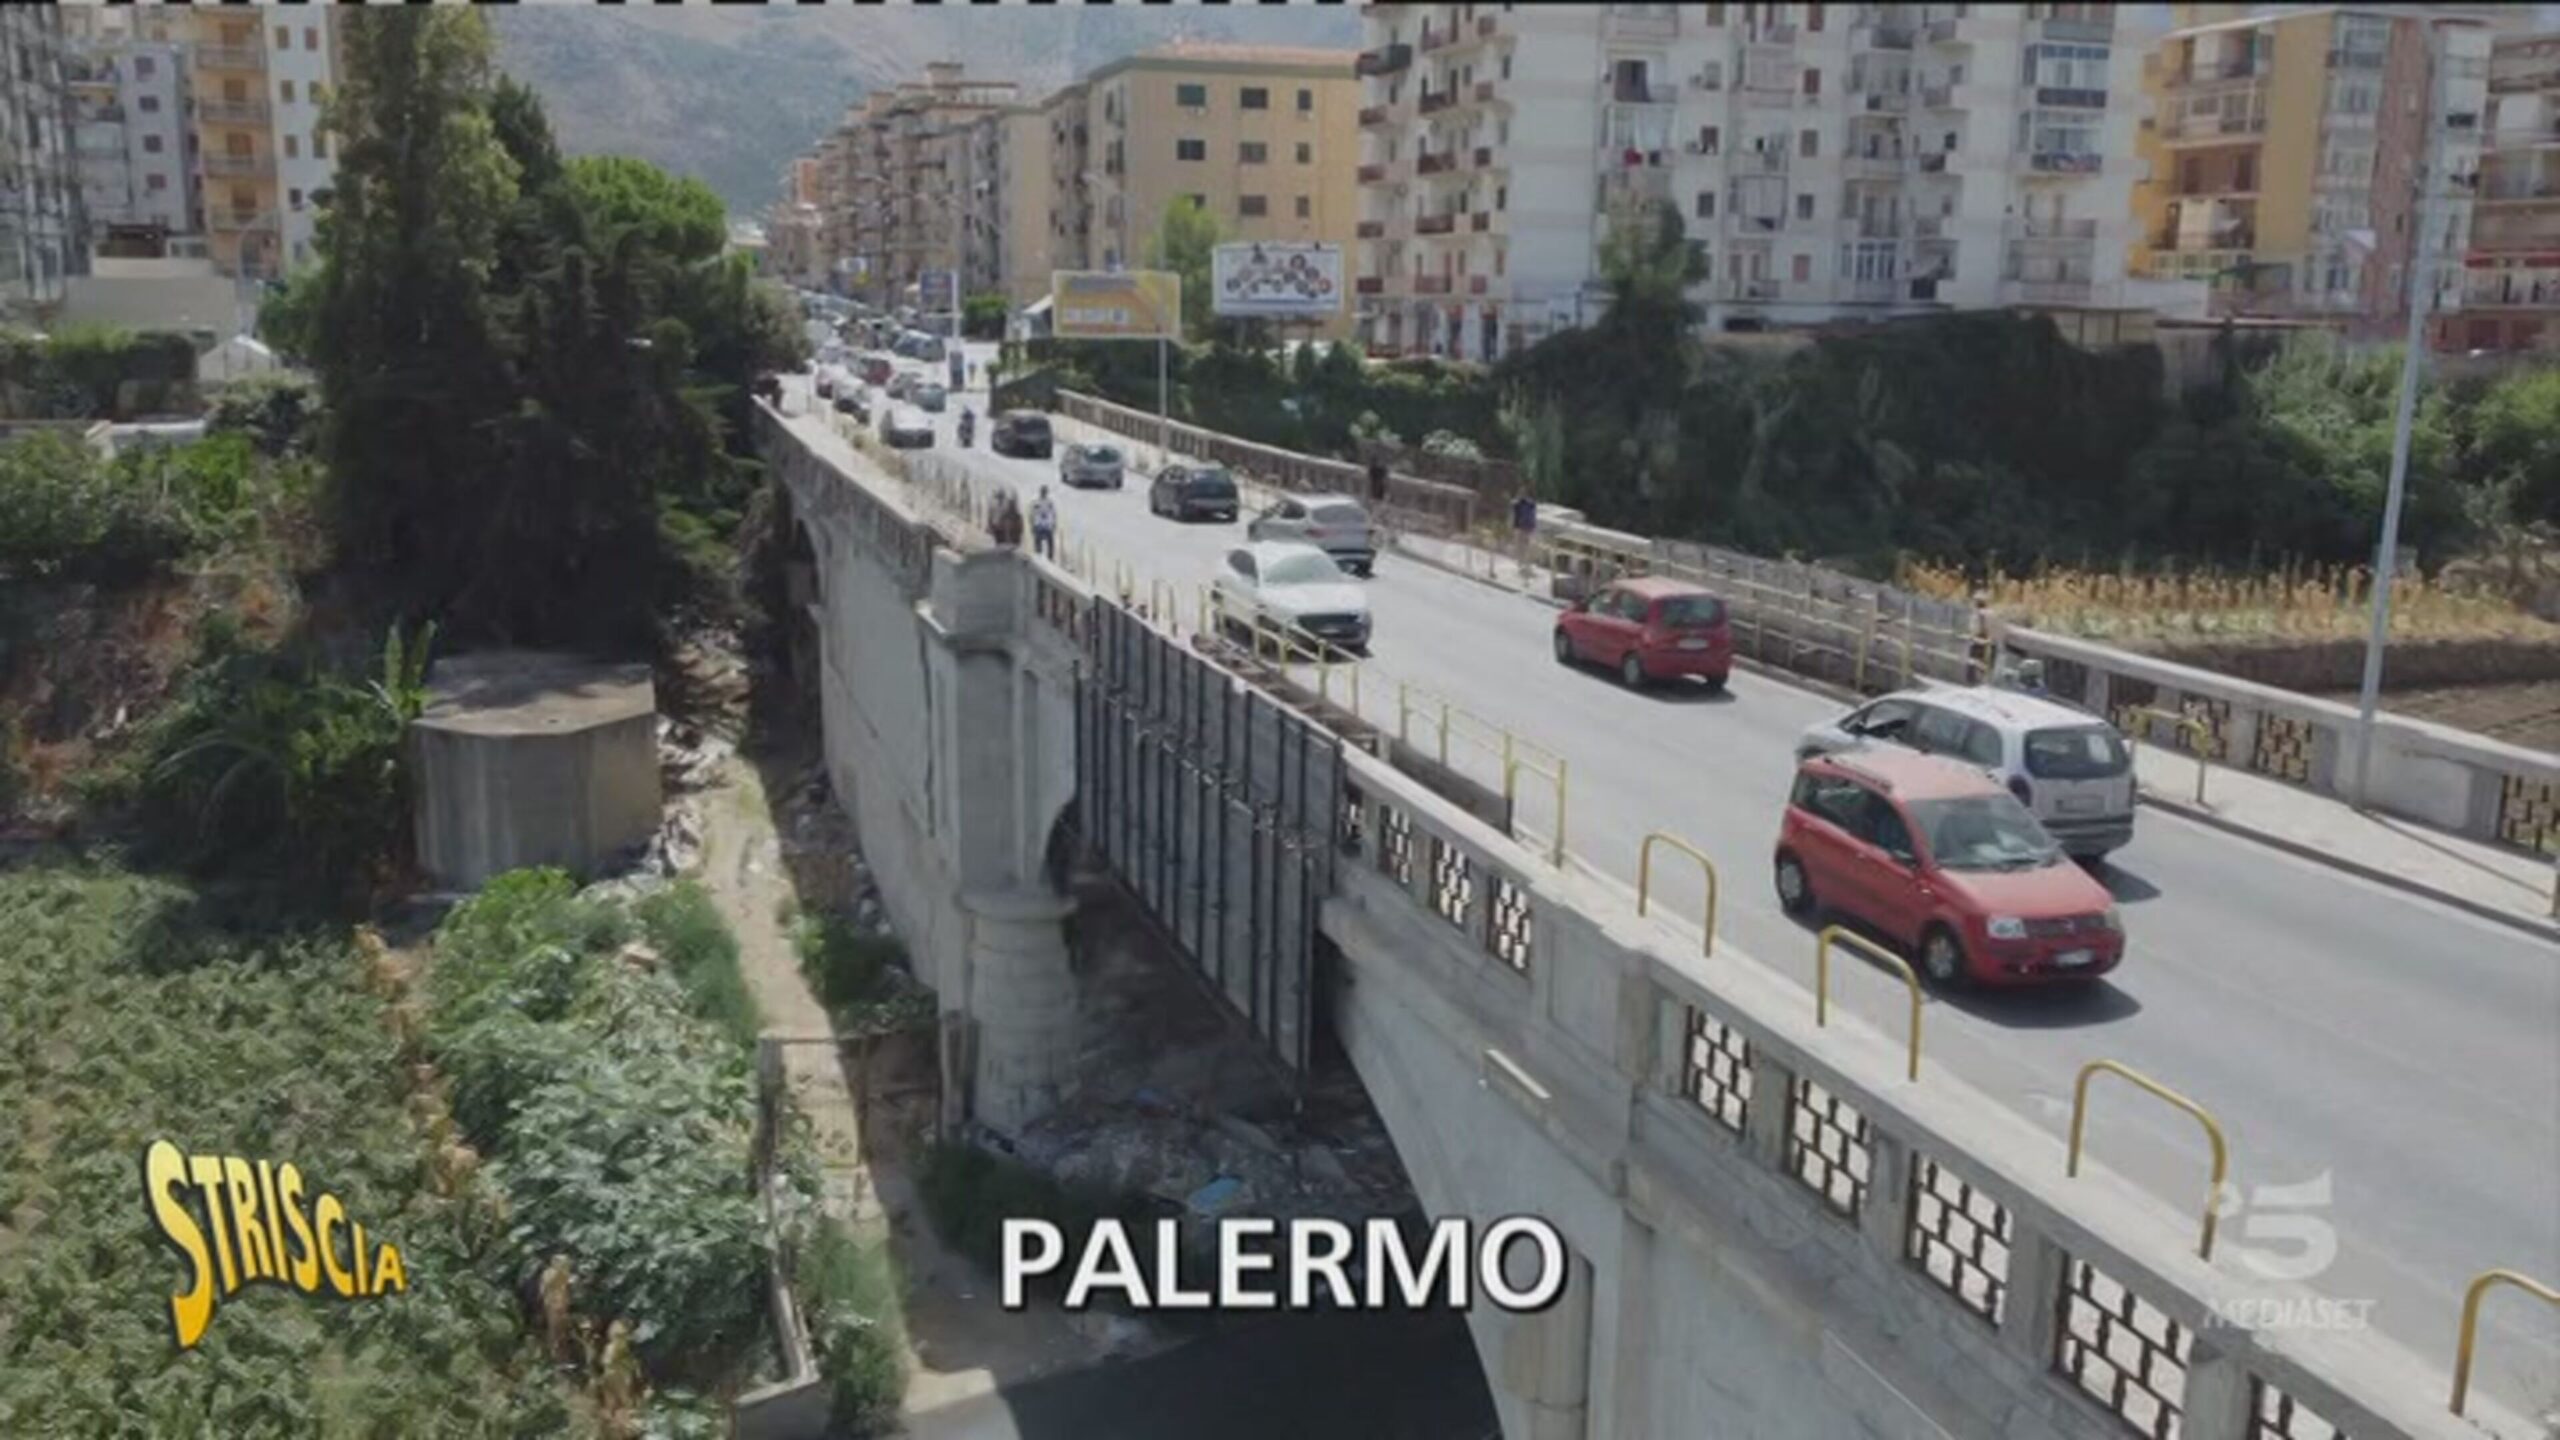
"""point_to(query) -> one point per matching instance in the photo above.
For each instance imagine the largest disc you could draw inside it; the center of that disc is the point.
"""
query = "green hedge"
(83, 374)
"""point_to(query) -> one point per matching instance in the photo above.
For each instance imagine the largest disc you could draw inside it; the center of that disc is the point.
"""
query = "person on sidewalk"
(1044, 525)
(1524, 530)
(1005, 525)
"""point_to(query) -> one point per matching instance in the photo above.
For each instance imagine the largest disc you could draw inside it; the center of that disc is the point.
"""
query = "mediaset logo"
(1266, 1264)
(259, 1229)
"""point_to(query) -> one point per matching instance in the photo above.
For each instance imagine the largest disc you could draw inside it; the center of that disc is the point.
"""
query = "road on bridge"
(2388, 1069)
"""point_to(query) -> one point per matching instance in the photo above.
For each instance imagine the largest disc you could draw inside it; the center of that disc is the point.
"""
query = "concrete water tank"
(525, 758)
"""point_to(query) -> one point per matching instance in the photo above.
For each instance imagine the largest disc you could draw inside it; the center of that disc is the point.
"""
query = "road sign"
(1276, 279)
(1115, 305)
(936, 292)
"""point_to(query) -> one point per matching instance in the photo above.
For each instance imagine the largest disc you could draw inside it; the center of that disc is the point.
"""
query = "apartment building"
(129, 134)
(1021, 243)
(2510, 297)
(909, 176)
(41, 223)
(794, 226)
(2285, 153)
(1827, 161)
(1071, 178)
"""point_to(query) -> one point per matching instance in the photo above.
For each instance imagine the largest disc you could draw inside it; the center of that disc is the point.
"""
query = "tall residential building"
(910, 183)
(41, 227)
(130, 132)
(2285, 150)
(2511, 272)
(1022, 246)
(795, 227)
(1827, 160)
(1071, 178)
(1264, 136)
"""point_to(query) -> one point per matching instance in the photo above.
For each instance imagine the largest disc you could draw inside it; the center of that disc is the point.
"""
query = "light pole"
(2421, 293)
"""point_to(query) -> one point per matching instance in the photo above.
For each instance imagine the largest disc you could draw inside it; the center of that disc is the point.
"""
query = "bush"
(280, 414)
(685, 928)
(982, 316)
(858, 1325)
(968, 1194)
(81, 374)
(66, 510)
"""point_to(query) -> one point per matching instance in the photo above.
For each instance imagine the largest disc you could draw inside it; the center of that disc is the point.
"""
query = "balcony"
(1948, 31)
(2077, 32)
(2356, 59)
(231, 57)
(1881, 227)
(1485, 93)
(1644, 182)
(1938, 97)
(1433, 104)
(1928, 227)
(1430, 284)
(1431, 40)
(1781, 33)
(2213, 127)
(232, 112)
(1385, 60)
(1749, 289)
(1439, 164)
(1760, 162)
(1934, 163)
(1641, 22)
(1370, 229)
(2069, 231)
(1858, 168)
(1480, 222)
(226, 218)
(1434, 224)
(1885, 102)
(2057, 97)
(1881, 36)
(2050, 292)
(219, 166)
(2239, 238)
(2065, 162)
(1370, 285)
(1372, 174)
(2521, 192)
(1372, 116)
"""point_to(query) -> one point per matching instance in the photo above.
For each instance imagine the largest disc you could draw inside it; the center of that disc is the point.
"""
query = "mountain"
(729, 94)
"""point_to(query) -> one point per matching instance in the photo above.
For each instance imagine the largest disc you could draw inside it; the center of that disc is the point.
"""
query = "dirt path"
(961, 1343)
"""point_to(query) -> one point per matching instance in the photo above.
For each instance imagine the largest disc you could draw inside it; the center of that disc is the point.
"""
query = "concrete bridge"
(1778, 1227)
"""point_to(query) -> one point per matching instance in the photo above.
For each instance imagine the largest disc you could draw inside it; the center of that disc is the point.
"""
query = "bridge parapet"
(1923, 1236)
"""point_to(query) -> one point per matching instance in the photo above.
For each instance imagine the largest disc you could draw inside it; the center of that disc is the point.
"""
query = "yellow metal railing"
(1706, 867)
(1512, 764)
(2199, 736)
(1834, 934)
(2204, 1117)
(2465, 1344)
(1274, 642)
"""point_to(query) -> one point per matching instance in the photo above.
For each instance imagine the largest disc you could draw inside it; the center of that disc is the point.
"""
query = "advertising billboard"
(1115, 305)
(1276, 280)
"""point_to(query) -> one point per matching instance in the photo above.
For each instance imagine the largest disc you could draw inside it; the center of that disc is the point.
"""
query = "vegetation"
(528, 362)
(968, 1194)
(2308, 602)
(982, 316)
(1185, 239)
(136, 1015)
(857, 1323)
(857, 975)
(94, 374)
(683, 925)
(66, 510)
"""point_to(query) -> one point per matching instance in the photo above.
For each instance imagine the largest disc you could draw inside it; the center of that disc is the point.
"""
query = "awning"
(1037, 307)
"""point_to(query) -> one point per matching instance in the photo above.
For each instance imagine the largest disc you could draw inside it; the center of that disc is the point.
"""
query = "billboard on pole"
(1115, 305)
(1276, 280)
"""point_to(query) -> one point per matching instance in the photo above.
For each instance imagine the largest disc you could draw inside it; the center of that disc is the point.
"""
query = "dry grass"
(2298, 603)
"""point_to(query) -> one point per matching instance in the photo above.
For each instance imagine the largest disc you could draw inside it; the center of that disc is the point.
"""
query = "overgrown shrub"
(685, 927)
(618, 1121)
(969, 1193)
(82, 373)
(66, 510)
(280, 414)
(857, 1322)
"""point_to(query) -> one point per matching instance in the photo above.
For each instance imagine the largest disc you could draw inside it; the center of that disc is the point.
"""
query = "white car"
(1296, 585)
(904, 426)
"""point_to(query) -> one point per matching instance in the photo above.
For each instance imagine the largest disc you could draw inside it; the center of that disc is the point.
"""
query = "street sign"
(936, 292)
(1276, 279)
(1115, 305)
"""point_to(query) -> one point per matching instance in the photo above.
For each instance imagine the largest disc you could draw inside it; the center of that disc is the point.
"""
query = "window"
(1197, 202)
(311, 36)
(1306, 153)
(155, 182)
(150, 104)
(319, 91)
(293, 147)
(1252, 206)
(1306, 102)
(1940, 732)
(1190, 97)
(319, 144)
(1801, 269)
(284, 37)
(1812, 81)
(1809, 143)
(293, 198)
(1804, 207)
(1306, 207)
(144, 67)
(1252, 152)
(151, 144)
(1813, 17)
(1255, 98)
(284, 88)
(1706, 205)
(1710, 139)
(1190, 149)
(2067, 67)
(1715, 13)
(1829, 797)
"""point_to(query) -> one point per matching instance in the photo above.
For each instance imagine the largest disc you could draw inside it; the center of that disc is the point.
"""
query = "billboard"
(935, 292)
(1276, 280)
(1115, 305)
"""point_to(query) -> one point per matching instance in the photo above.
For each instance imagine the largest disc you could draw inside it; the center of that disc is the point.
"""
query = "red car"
(1942, 860)
(1649, 628)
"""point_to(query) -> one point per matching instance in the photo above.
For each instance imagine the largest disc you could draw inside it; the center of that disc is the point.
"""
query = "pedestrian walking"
(1377, 483)
(1005, 525)
(1044, 525)
(1524, 530)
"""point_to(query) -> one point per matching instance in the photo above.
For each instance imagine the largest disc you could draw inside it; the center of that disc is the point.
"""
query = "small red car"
(1942, 860)
(1649, 628)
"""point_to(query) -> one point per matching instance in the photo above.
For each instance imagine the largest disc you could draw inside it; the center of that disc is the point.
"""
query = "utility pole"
(2421, 294)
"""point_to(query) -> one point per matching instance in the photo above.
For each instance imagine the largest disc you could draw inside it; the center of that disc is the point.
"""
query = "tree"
(287, 315)
(2515, 441)
(1183, 242)
(680, 219)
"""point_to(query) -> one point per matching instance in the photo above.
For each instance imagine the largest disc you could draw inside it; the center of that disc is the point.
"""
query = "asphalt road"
(2383, 1065)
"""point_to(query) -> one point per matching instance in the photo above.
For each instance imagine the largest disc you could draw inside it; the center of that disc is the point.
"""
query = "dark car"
(1021, 432)
(1193, 492)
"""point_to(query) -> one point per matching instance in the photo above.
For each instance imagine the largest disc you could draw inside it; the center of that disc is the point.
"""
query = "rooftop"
(1298, 59)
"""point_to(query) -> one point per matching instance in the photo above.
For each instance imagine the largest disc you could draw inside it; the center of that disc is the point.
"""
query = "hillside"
(730, 94)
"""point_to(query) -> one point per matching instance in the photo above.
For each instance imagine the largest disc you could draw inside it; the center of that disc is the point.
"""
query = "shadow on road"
(2127, 887)
(2051, 1006)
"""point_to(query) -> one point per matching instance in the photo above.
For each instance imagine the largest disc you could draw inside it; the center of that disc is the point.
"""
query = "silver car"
(1336, 524)
(928, 397)
(904, 427)
(1096, 467)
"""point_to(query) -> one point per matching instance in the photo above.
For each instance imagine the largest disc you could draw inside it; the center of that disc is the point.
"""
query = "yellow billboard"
(1115, 305)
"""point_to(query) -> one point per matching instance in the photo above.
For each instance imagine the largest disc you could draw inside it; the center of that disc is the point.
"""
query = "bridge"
(1786, 1216)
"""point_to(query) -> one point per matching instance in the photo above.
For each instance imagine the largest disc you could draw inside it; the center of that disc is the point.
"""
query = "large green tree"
(1183, 243)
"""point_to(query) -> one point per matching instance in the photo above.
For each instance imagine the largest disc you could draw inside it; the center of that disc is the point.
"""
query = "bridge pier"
(1021, 1000)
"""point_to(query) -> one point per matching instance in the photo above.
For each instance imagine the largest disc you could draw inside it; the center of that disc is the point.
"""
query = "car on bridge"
(1296, 586)
(904, 427)
(2071, 768)
(854, 398)
(929, 397)
(1942, 860)
(1336, 524)
(1022, 432)
(1193, 492)
(876, 369)
(1650, 628)
(1093, 467)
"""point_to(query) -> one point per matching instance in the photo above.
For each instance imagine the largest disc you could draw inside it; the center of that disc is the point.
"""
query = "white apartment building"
(299, 73)
(40, 210)
(130, 130)
(1828, 160)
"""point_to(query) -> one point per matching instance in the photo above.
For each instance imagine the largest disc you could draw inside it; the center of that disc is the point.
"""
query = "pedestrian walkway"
(2487, 880)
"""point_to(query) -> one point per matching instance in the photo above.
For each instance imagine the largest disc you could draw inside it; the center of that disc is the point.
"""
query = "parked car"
(1650, 628)
(2069, 767)
(854, 398)
(876, 369)
(905, 427)
(1942, 860)
(928, 396)
(1193, 492)
(1093, 467)
(1296, 585)
(1022, 432)
(1336, 524)
(901, 383)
